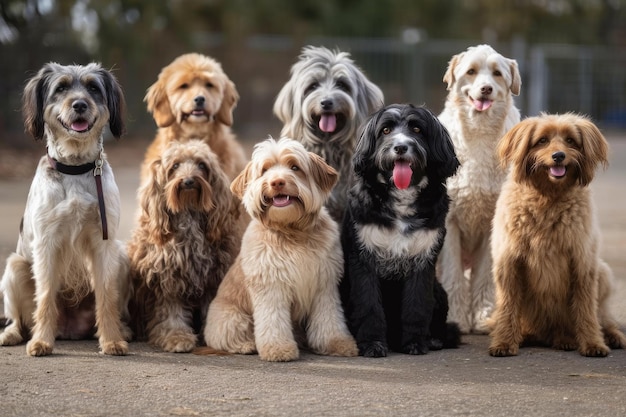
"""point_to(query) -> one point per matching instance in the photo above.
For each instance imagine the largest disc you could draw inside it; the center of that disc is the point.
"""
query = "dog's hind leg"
(105, 282)
(452, 277)
(229, 328)
(18, 288)
(482, 288)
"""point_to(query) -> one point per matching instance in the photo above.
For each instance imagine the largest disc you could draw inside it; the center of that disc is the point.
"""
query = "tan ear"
(595, 149)
(323, 174)
(239, 184)
(153, 204)
(229, 102)
(513, 147)
(159, 104)
(516, 79)
(448, 77)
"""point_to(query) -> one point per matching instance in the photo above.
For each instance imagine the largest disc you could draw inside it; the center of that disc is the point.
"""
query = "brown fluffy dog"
(185, 242)
(287, 273)
(551, 286)
(194, 99)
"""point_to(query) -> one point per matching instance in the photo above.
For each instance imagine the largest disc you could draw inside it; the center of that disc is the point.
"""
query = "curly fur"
(185, 242)
(65, 280)
(285, 278)
(194, 99)
(551, 285)
(327, 85)
(479, 109)
(392, 234)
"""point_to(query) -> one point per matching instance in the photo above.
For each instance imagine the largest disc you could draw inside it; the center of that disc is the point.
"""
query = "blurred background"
(571, 53)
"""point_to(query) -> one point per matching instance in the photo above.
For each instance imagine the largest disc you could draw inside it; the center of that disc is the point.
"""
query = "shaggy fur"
(322, 105)
(64, 279)
(551, 286)
(393, 231)
(194, 99)
(285, 279)
(185, 242)
(478, 111)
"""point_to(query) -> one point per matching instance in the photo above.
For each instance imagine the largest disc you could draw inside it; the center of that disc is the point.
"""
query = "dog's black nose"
(558, 157)
(79, 106)
(189, 182)
(199, 101)
(486, 89)
(327, 104)
(400, 149)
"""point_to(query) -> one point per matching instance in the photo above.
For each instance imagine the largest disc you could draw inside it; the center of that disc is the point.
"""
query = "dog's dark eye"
(542, 141)
(570, 141)
(497, 73)
(471, 71)
(208, 85)
(184, 86)
(295, 168)
(311, 88)
(416, 129)
(175, 166)
(60, 88)
(202, 166)
(386, 131)
(342, 85)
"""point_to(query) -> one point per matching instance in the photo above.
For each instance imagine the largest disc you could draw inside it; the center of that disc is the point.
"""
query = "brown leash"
(97, 173)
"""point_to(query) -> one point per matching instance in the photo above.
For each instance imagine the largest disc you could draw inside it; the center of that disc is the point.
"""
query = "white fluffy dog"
(322, 105)
(285, 279)
(479, 110)
(68, 274)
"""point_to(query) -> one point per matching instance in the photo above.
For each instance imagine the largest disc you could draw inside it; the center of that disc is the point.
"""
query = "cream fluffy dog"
(69, 275)
(322, 106)
(186, 240)
(286, 276)
(194, 99)
(551, 286)
(478, 111)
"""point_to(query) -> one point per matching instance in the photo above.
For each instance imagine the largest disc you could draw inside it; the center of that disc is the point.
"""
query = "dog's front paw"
(38, 348)
(180, 343)
(503, 349)
(416, 348)
(279, 352)
(615, 339)
(594, 350)
(119, 348)
(342, 346)
(374, 349)
(11, 336)
(567, 344)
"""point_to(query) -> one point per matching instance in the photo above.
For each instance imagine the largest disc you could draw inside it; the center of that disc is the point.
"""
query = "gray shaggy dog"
(322, 106)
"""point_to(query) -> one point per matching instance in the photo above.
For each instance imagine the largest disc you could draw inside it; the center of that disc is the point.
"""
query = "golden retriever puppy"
(194, 99)
(185, 242)
(287, 274)
(551, 286)
(479, 110)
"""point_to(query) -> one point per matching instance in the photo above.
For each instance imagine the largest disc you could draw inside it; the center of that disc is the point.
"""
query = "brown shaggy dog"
(286, 276)
(185, 242)
(194, 99)
(551, 286)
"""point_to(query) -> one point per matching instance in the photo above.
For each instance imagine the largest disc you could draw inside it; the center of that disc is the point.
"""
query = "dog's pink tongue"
(482, 105)
(557, 171)
(328, 122)
(80, 126)
(281, 201)
(402, 173)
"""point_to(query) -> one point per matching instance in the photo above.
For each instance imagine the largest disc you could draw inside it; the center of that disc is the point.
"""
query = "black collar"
(71, 169)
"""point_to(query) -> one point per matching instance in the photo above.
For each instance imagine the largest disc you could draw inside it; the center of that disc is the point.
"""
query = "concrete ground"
(78, 381)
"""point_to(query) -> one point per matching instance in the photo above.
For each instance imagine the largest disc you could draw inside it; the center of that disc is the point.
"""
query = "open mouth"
(480, 104)
(78, 125)
(198, 112)
(558, 171)
(281, 200)
(328, 123)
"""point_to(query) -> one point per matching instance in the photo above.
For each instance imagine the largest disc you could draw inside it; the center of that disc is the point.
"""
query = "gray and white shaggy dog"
(393, 230)
(322, 105)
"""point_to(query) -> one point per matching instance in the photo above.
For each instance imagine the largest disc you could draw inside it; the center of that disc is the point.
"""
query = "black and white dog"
(393, 230)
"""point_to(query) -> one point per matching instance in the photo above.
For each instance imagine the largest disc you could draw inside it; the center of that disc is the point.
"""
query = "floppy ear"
(115, 103)
(153, 204)
(366, 145)
(33, 101)
(513, 148)
(323, 174)
(229, 102)
(159, 104)
(595, 150)
(516, 79)
(284, 104)
(448, 77)
(239, 184)
(370, 97)
(442, 149)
